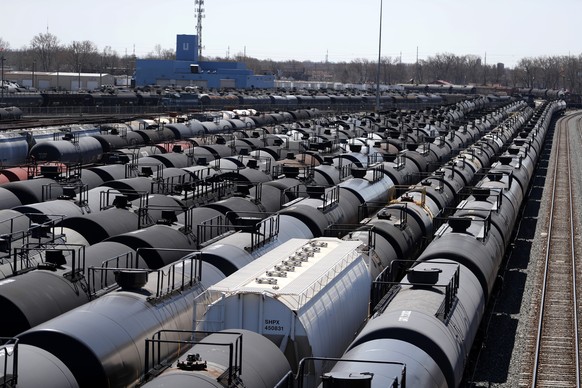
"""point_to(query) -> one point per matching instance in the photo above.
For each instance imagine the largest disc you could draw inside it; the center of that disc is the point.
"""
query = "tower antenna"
(199, 13)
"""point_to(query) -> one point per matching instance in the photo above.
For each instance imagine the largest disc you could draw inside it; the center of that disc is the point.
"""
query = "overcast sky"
(339, 30)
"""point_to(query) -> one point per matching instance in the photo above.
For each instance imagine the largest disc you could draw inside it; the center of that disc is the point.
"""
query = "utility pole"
(379, 56)
(33, 69)
(199, 13)
(417, 75)
(485, 69)
(2, 59)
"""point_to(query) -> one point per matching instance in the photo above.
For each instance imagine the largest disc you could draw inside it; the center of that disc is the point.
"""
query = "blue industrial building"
(186, 70)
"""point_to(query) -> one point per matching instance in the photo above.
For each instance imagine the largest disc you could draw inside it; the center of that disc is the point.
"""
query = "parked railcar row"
(416, 323)
(342, 204)
(186, 100)
(440, 88)
(171, 172)
(547, 94)
(466, 90)
(220, 258)
(91, 143)
(313, 141)
(59, 99)
(10, 113)
(294, 295)
(423, 331)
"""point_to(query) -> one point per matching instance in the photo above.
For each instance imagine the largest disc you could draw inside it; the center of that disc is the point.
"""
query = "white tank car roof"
(293, 272)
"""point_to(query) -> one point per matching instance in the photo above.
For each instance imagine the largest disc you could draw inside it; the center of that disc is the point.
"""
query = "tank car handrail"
(45, 229)
(496, 192)
(440, 176)
(77, 261)
(121, 202)
(481, 236)
(403, 212)
(382, 295)
(267, 161)
(7, 238)
(262, 226)
(145, 170)
(167, 186)
(9, 349)
(208, 188)
(154, 344)
(91, 271)
(121, 198)
(331, 198)
(267, 230)
(377, 173)
(295, 191)
(205, 230)
(375, 158)
(195, 271)
(105, 286)
(400, 161)
(283, 170)
(342, 230)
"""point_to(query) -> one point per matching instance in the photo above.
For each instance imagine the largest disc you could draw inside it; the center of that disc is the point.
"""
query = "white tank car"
(307, 296)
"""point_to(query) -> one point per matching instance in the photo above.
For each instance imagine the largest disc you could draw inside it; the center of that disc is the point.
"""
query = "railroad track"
(552, 349)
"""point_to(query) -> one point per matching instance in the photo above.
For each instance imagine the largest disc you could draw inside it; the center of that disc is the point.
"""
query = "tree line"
(46, 53)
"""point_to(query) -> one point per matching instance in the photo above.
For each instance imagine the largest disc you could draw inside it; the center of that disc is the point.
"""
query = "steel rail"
(543, 319)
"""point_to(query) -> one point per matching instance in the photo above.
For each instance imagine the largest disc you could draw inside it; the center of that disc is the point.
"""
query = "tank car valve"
(192, 362)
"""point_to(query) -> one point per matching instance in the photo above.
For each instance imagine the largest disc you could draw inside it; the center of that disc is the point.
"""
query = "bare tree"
(252, 63)
(80, 52)
(571, 73)
(387, 69)
(109, 60)
(341, 72)
(473, 63)
(539, 72)
(420, 71)
(551, 71)
(161, 53)
(360, 71)
(4, 45)
(45, 46)
(525, 72)
(441, 65)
